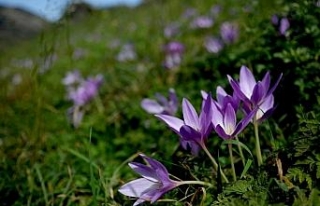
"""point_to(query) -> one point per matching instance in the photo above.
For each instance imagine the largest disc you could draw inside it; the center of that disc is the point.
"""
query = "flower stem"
(258, 149)
(232, 163)
(194, 182)
(240, 152)
(214, 162)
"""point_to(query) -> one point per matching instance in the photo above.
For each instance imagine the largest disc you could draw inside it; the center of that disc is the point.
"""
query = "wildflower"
(193, 129)
(72, 78)
(161, 105)
(154, 183)
(225, 121)
(201, 22)
(213, 45)
(86, 91)
(229, 32)
(173, 52)
(254, 94)
(284, 26)
(224, 114)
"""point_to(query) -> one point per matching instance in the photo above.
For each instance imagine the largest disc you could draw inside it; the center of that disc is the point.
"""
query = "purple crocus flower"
(86, 91)
(224, 114)
(193, 129)
(253, 94)
(213, 45)
(225, 121)
(284, 26)
(154, 183)
(161, 105)
(229, 32)
(173, 51)
(201, 22)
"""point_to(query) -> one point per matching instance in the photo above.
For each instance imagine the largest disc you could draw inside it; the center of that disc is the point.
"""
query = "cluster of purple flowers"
(80, 91)
(254, 98)
(282, 24)
(229, 34)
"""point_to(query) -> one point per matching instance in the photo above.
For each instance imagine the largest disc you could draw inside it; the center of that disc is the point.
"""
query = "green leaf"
(246, 168)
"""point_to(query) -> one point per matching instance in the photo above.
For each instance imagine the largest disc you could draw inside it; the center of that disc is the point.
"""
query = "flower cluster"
(254, 99)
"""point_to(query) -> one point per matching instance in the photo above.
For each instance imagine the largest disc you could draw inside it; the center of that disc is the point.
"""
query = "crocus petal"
(237, 90)
(257, 94)
(265, 107)
(245, 121)
(138, 187)
(266, 82)
(206, 116)
(274, 86)
(158, 167)
(190, 115)
(217, 117)
(173, 122)
(221, 93)
(229, 120)
(144, 171)
(151, 106)
(161, 99)
(220, 131)
(204, 94)
(190, 134)
(246, 81)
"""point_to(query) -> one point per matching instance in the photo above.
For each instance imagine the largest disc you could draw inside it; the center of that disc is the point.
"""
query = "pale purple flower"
(72, 78)
(127, 53)
(154, 183)
(161, 105)
(225, 121)
(229, 32)
(86, 91)
(193, 129)
(284, 26)
(253, 94)
(173, 54)
(202, 22)
(213, 45)
(224, 114)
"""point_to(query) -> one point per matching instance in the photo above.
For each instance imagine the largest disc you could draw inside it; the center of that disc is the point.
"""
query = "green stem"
(214, 162)
(258, 149)
(194, 182)
(240, 152)
(232, 163)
